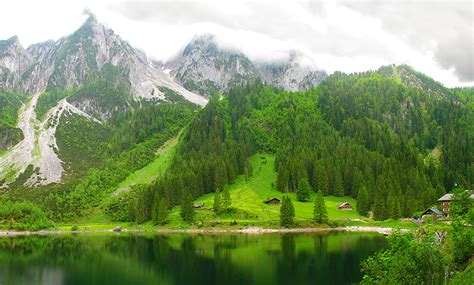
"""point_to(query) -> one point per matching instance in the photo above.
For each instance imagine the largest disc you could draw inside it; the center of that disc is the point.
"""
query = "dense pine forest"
(372, 135)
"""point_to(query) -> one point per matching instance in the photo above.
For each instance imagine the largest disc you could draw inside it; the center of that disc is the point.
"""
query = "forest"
(395, 147)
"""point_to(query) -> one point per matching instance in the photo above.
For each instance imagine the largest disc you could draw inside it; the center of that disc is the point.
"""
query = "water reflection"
(317, 258)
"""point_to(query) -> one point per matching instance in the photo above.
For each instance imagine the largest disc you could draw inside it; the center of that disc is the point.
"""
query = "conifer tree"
(320, 213)
(226, 200)
(187, 208)
(287, 212)
(322, 178)
(303, 192)
(217, 201)
(363, 201)
(393, 205)
(160, 212)
(338, 186)
(282, 180)
(380, 208)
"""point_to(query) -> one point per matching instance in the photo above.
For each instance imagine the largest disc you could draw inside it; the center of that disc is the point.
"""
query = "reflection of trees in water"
(190, 259)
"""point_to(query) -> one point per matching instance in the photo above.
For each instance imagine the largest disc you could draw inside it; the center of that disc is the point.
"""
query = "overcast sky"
(435, 37)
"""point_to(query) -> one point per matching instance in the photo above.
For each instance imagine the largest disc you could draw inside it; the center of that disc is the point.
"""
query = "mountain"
(91, 73)
(293, 74)
(205, 67)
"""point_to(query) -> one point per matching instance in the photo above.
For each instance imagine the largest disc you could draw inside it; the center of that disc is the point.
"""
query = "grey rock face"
(204, 66)
(14, 60)
(71, 60)
(291, 74)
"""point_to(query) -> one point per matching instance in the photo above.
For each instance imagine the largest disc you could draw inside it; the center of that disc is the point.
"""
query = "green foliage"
(303, 192)
(320, 213)
(187, 209)
(461, 203)
(407, 261)
(217, 206)
(287, 212)
(461, 241)
(49, 99)
(22, 216)
(363, 201)
(10, 104)
(159, 211)
(117, 207)
(226, 199)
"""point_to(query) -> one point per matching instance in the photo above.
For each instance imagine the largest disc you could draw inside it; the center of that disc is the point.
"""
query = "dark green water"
(316, 258)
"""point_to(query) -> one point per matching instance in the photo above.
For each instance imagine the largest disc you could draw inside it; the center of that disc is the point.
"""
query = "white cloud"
(350, 36)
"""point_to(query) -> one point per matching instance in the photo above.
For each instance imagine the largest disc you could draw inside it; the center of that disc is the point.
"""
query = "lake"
(302, 258)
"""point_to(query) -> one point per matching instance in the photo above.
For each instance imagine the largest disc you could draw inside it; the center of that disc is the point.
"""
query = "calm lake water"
(309, 258)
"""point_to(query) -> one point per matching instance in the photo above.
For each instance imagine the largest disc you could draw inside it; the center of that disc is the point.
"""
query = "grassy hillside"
(154, 169)
(248, 196)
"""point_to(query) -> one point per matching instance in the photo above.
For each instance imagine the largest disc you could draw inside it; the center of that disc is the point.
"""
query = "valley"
(99, 137)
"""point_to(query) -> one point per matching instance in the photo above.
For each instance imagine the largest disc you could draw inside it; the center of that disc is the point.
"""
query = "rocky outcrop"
(14, 60)
(74, 59)
(205, 67)
(292, 74)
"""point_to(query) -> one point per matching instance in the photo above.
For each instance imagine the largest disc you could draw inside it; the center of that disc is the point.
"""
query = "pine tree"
(282, 179)
(393, 205)
(338, 186)
(217, 201)
(322, 178)
(160, 212)
(287, 212)
(187, 208)
(380, 208)
(363, 201)
(303, 192)
(320, 213)
(226, 200)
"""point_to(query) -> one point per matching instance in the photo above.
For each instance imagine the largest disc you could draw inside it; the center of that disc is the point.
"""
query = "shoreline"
(251, 230)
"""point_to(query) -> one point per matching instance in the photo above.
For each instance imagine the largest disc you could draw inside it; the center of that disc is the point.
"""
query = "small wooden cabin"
(432, 212)
(273, 201)
(199, 206)
(345, 206)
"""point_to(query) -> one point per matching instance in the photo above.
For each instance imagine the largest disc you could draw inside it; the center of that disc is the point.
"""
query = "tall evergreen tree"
(303, 192)
(226, 200)
(187, 208)
(320, 213)
(282, 179)
(217, 201)
(287, 212)
(338, 186)
(380, 207)
(160, 212)
(363, 201)
(393, 205)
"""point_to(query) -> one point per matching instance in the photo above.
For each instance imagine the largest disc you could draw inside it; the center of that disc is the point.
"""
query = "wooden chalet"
(432, 212)
(345, 206)
(273, 201)
(446, 199)
(199, 206)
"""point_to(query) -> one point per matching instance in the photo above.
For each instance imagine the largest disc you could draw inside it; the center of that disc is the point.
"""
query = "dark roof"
(344, 204)
(272, 199)
(434, 210)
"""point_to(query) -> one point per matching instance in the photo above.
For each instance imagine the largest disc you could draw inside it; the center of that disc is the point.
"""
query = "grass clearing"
(248, 198)
(154, 169)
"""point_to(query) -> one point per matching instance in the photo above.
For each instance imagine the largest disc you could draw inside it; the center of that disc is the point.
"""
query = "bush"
(23, 216)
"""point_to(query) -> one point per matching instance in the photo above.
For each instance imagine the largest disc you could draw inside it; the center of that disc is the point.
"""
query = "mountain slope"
(206, 67)
(361, 132)
(91, 73)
